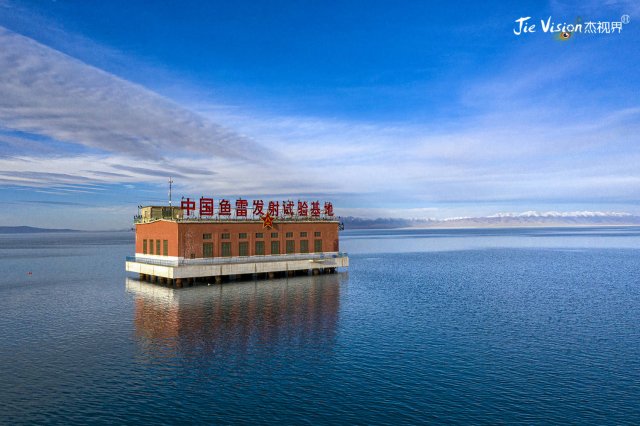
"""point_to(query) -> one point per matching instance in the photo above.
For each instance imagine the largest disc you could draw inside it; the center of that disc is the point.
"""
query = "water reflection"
(234, 319)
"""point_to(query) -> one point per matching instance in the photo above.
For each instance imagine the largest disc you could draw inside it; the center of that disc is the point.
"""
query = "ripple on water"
(504, 332)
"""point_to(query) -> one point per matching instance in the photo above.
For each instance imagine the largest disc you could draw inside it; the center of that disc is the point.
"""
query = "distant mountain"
(30, 230)
(501, 220)
(351, 222)
(540, 220)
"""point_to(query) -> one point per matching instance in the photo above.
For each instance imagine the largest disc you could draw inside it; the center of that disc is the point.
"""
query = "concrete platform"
(178, 269)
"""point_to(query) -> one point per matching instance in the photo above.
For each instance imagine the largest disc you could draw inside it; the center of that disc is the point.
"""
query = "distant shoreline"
(593, 225)
(20, 230)
(32, 230)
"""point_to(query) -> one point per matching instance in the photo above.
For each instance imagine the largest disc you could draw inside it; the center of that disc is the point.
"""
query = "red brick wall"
(191, 234)
(160, 230)
(186, 239)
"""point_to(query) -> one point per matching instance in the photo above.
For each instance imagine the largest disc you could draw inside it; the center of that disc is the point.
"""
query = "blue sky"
(411, 109)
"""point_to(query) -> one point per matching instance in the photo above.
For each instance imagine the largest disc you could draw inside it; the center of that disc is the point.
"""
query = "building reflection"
(236, 318)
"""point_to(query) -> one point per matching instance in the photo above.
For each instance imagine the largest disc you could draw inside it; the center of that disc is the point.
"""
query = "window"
(260, 248)
(291, 246)
(274, 235)
(243, 249)
(243, 236)
(317, 246)
(150, 246)
(158, 247)
(275, 247)
(206, 236)
(225, 249)
(165, 247)
(259, 235)
(207, 250)
(317, 234)
(225, 236)
(304, 246)
(303, 234)
(289, 235)
(144, 247)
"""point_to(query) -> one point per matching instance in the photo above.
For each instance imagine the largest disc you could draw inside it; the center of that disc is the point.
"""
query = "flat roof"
(247, 221)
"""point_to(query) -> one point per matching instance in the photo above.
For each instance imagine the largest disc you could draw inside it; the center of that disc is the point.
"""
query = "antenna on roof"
(170, 182)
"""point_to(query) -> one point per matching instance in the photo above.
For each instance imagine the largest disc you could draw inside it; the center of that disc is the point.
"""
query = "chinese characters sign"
(240, 208)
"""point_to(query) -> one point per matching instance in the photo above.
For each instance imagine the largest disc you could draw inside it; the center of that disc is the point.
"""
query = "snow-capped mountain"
(533, 213)
(522, 219)
(535, 218)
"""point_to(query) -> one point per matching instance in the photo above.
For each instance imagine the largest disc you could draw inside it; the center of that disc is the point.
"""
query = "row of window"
(243, 248)
(154, 246)
(243, 235)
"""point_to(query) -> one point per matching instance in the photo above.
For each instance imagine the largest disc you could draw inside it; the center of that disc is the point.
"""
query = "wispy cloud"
(53, 203)
(48, 93)
(496, 154)
(524, 135)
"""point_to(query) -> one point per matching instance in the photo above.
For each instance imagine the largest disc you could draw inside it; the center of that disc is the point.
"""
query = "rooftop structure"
(152, 213)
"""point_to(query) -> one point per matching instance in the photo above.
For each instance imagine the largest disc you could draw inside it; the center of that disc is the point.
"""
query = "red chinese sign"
(328, 209)
(303, 208)
(287, 208)
(274, 208)
(241, 208)
(206, 206)
(315, 209)
(188, 205)
(258, 205)
(224, 208)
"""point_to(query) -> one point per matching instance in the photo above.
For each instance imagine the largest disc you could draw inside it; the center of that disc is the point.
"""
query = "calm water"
(473, 326)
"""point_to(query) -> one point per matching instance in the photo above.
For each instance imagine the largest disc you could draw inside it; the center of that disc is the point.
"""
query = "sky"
(408, 109)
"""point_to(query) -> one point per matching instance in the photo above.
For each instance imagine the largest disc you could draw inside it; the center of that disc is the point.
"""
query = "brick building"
(173, 246)
(207, 239)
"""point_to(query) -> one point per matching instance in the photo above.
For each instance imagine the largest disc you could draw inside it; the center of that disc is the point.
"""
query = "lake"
(427, 326)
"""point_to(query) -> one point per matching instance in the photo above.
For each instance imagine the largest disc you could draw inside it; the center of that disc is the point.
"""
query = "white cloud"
(507, 148)
(45, 92)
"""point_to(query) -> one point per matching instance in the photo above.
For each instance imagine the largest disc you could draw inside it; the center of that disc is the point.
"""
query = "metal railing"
(238, 259)
(216, 219)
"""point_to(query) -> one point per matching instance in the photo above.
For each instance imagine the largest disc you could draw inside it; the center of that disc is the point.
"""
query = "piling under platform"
(180, 272)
